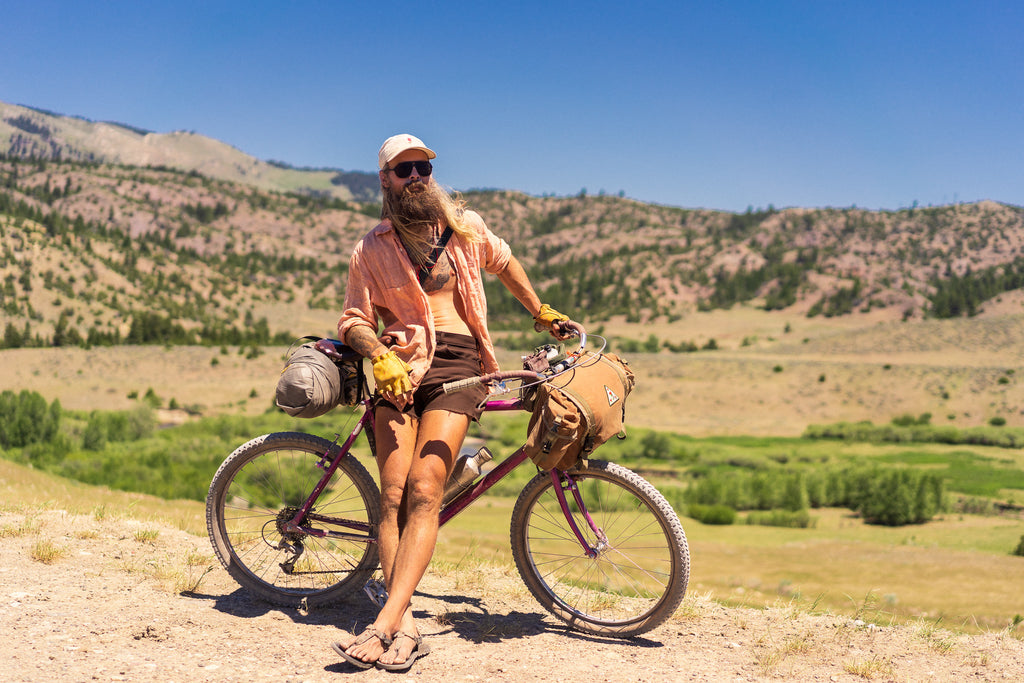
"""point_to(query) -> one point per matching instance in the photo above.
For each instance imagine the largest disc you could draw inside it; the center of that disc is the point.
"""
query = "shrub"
(25, 418)
(711, 514)
(974, 506)
(681, 347)
(756, 490)
(1002, 437)
(908, 420)
(118, 426)
(901, 496)
(792, 519)
(1019, 550)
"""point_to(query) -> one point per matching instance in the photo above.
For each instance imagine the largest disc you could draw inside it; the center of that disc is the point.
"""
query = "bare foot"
(401, 648)
(404, 640)
(365, 648)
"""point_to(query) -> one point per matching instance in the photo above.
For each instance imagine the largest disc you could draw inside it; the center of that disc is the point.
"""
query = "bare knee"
(391, 496)
(424, 496)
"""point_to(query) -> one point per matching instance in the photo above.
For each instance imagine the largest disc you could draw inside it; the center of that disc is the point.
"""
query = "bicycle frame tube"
(366, 421)
(464, 499)
(503, 405)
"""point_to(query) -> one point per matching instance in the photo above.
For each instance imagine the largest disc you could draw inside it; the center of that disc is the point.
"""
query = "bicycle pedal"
(375, 590)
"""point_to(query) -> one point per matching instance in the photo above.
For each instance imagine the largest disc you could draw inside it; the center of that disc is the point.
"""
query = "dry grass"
(30, 525)
(185, 575)
(874, 368)
(875, 581)
(146, 535)
(47, 552)
(876, 667)
(771, 654)
(22, 487)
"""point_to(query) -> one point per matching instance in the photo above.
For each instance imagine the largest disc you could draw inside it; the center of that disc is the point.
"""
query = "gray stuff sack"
(310, 384)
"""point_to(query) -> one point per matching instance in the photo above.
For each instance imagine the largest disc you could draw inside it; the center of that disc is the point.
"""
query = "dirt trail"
(109, 606)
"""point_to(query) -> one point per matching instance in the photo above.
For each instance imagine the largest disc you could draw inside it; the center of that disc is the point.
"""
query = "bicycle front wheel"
(260, 488)
(638, 567)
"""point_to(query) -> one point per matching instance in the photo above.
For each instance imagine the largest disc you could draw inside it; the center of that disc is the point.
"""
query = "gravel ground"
(84, 599)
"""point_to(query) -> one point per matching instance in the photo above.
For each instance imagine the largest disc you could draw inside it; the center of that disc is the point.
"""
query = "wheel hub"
(286, 528)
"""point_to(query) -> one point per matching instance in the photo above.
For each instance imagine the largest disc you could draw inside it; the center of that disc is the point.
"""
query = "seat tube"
(557, 483)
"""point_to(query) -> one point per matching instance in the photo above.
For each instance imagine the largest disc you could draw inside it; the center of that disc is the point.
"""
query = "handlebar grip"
(460, 385)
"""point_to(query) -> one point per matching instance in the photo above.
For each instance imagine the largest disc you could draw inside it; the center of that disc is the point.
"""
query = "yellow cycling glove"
(546, 319)
(391, 374)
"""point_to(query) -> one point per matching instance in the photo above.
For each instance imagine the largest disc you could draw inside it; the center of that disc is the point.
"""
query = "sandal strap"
(373, 632)
(418, 639)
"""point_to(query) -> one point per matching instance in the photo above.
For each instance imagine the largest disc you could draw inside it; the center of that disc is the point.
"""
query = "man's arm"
(515, 280)
(363, 341)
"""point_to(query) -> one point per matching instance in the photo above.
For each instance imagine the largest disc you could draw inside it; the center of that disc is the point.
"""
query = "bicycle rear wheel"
(262, 486)
(641, 568)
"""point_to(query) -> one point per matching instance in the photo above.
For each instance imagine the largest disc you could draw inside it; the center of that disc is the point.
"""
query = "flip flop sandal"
(420, 650)
(368, 633)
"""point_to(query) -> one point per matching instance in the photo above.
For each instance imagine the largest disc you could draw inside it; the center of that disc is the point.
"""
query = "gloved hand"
(391, 374)
(546, 319)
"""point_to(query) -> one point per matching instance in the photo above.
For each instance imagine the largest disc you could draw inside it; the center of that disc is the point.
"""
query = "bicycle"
(293, 518)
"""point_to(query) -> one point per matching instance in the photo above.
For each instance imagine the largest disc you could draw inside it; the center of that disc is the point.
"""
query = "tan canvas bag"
(578, 411)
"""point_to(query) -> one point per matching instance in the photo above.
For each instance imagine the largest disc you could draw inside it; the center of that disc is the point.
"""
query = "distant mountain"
(34, 133)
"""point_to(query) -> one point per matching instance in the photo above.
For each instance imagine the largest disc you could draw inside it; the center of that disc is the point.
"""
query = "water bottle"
(467, 469)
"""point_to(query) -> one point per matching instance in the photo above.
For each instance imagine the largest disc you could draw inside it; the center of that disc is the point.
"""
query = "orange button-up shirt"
(382, 285)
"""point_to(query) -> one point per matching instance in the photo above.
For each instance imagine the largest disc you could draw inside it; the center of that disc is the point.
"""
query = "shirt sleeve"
(358, 307)
(497, 253)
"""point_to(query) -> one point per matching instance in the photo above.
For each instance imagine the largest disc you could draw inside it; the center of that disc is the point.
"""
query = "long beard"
(415, 211)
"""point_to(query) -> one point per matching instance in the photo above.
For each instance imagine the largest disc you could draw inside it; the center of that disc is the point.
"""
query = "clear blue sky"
(719, 105)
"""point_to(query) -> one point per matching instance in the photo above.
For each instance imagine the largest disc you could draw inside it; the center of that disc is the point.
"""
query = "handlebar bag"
(312, 384)
(577, 411)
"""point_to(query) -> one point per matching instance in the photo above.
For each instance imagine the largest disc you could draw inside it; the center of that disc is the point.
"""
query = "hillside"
(105, 253)
(33, 133)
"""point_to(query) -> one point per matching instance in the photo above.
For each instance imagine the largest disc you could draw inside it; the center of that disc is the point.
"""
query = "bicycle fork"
(560, 482)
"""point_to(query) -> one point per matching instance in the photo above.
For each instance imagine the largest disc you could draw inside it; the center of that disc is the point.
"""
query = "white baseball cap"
(396, 144)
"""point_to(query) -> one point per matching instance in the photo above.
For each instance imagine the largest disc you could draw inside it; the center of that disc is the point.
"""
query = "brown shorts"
(455, 357)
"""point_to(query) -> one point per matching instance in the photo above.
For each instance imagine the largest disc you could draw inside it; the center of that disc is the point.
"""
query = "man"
(428, 294)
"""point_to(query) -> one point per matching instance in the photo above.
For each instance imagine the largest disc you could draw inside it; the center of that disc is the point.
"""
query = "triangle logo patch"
(612, 397)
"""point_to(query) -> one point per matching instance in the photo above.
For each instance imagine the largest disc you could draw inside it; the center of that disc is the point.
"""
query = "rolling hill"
(112, 234)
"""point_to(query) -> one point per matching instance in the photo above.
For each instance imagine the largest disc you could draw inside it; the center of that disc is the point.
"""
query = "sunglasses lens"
(404, 169)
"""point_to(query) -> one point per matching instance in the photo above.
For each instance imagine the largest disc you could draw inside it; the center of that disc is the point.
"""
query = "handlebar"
(461, 384)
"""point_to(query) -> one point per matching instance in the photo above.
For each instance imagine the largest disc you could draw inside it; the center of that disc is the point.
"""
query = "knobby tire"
(641, 571)
(264, 482)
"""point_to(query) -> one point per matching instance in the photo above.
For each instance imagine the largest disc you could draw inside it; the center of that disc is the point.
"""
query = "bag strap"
(427, 266)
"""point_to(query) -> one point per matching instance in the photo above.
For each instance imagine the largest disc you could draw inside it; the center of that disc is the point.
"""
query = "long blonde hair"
(438, 205)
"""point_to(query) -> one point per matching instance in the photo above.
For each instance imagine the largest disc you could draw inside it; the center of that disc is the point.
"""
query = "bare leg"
(414, 460)
(396, 446)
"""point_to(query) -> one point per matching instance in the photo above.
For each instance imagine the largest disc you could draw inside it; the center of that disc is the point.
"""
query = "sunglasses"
(404, 169)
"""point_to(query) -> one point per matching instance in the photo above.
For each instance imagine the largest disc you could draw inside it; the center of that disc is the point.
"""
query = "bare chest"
(442, 277)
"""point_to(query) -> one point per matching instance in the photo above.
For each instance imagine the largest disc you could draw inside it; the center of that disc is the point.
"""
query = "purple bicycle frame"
(559, 481)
